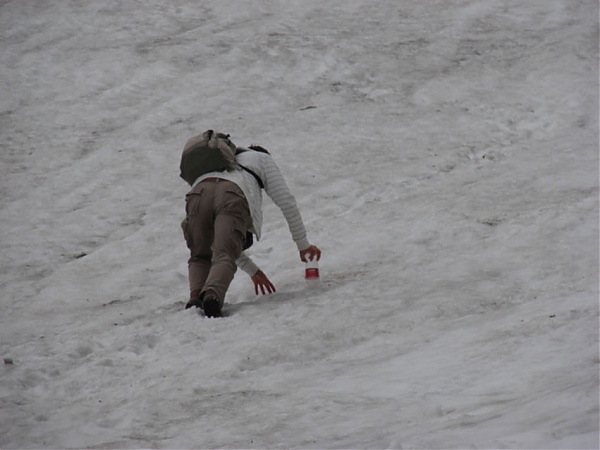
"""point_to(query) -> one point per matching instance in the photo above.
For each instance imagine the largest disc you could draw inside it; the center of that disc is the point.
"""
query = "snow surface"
(444, 155)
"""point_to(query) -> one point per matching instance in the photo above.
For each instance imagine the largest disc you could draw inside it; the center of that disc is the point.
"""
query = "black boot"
(212, 307)
(196, 301)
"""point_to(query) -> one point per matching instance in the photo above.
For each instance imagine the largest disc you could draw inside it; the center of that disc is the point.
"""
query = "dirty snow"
(444, 155)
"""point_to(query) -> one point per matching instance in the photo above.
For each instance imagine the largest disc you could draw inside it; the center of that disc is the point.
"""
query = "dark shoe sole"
(212, 308)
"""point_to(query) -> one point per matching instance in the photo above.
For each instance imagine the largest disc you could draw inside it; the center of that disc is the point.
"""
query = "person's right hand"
(261, 282)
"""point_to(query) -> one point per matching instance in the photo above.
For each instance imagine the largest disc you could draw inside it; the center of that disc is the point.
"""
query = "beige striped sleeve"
(278, 190)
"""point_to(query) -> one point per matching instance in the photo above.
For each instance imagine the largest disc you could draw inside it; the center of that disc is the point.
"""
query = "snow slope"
(444, 155)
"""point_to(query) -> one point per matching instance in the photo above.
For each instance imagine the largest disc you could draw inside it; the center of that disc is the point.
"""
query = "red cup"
(311, 273)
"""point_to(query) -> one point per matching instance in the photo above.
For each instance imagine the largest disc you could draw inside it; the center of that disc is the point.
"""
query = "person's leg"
(232, 217)
(227, 248)
(198, 231)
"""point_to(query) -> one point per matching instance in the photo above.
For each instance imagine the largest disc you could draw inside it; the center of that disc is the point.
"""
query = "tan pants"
(214, 230)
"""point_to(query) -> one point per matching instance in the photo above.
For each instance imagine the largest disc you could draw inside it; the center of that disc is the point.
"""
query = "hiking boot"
(212, 307)
(196, 301)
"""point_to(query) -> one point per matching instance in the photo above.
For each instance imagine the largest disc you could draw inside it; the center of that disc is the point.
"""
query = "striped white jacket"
(276, 188)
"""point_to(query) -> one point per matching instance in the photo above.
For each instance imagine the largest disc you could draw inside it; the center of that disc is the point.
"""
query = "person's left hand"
(261, 282)
(310, 253)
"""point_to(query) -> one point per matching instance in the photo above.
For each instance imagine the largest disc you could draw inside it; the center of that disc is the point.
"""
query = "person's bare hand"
(311, 253)
(262, 283)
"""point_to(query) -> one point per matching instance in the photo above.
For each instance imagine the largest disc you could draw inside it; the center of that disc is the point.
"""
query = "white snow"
(444, 155)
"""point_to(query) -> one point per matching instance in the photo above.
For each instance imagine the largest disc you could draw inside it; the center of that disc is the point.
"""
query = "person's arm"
(245, 263)
(260, 280)
(278, 190)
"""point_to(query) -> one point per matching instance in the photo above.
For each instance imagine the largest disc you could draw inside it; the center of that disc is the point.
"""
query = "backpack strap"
(251, 172)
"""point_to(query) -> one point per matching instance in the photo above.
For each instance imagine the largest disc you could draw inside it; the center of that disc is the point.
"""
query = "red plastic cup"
(311, 271)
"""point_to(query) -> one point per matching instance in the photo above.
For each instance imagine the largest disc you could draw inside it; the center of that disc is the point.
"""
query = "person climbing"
(223, 212)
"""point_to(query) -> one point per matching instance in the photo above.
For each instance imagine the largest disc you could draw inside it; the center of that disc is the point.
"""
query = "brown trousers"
(217, 217)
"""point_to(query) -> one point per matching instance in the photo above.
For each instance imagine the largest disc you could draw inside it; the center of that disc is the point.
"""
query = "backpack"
(210, 152)
(207, 152)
